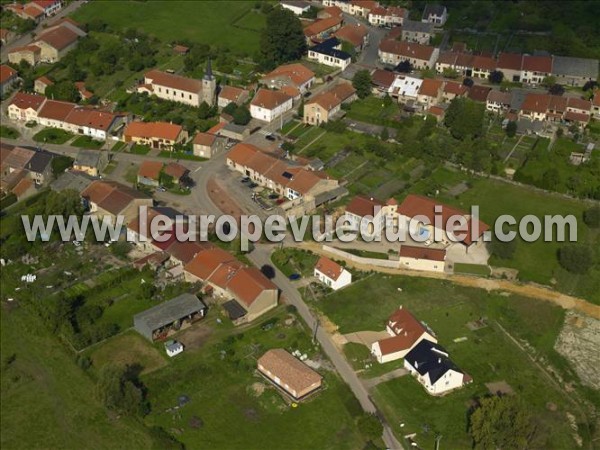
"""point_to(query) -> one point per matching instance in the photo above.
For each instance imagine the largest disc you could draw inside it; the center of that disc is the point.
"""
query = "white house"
(405, 333)
(332, 274)
(435, 14)
(297, 7)
(422, 258)
(387, 17)
(269, 105)
(173, 348)
(330, 53)
(429, 363)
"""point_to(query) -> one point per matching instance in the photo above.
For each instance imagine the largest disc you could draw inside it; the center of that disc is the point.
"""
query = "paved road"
(26, 38)
(260, 256)
(370, 55)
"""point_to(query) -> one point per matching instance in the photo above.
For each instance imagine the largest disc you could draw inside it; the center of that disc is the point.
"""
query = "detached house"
(149, 173)
(206, 145)
(161, 135)
(326, 105)
(322, 29)
(30, 53)
(365, 214)
(405, 333)
(91, 162)
(112, 199)
(331, 274)
(268, 105)
(355, 34)
(288, 373)
(329, 53)
(435, 14)
(432, 367)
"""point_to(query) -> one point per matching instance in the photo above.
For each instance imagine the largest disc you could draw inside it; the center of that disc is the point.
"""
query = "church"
(176, 88)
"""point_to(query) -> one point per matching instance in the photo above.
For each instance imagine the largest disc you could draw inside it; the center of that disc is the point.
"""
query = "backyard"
(487, 353)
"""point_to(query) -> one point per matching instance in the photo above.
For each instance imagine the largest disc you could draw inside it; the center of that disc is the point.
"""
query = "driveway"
(366, 338)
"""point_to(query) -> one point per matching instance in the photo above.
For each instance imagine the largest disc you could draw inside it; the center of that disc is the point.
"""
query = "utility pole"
(438, 438)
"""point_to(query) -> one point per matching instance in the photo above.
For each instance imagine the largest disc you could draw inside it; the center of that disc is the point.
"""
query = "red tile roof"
(383, 78)
(407, 49)
(290, 371)
(241, 153)
(297, 73)
(353, 33)
(452, 87)
(333, 97)
(577, 117)
(56, 110)
(408, 331)
(217, 128)
(59, 38)
(173, 81)
(596, 100)
(88, 117)
(484, 63)
(431, 87)
(204, 139)
(363, 206)
(150, 169)
(542, 64)
(6, 73)
(510, 61)
(232, 93)
(436, 111)
(207, 261)
(248, 284)
(408, 251)
(186, 251)
(22, 187)
(538, 103)
(415, 205)
(162, 130)
(23, 100)
(578, 103)
(329, 268)
(322, 25)
(45, 80)
(176, 170)
(268, 99)
(479, 93)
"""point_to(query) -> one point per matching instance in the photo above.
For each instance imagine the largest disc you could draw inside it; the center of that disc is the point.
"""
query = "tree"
(65, 203)
(63, 90)
(468, 82)
(496, 77)
(591, 217)
(404, 67)
(60, 164)
(576, 258)
(362, 83)
(204, 111)
(230, 108)
(118, 389)
(241, 116)
(385, 134)
(548, 81)
(370, 426)
(556, 89)
(502, 423)
(282, 39)
(268, 271)
(590, 85)
(464, 118)
(511, 129)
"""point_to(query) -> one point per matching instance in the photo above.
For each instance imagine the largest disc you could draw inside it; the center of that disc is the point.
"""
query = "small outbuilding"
(163, 320)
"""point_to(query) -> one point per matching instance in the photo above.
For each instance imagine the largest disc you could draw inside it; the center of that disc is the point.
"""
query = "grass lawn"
(119, 145)
(288, 126)
(52, 136)
(180, 155)
(488, 355)
(139, 149)
(111, 166)
(472, 269)
(49, 402)
(8, 132)
(131, 173)
(290, 261)
(372, 110)
(219, 379)
(223, 22)
(87, 142)
(366, 253)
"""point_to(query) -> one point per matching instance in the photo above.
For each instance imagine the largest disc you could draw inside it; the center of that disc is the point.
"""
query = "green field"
(229, 24)
(472, 269)
(487, 354)
(47, 400)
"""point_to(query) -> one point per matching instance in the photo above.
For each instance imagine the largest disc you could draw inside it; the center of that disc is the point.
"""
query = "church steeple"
(208, 73)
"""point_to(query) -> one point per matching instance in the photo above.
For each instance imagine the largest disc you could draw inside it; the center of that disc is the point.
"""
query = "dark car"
(245, 180)
(307, 94)
(270, 137)
(273, 196)
(252, 185)
(295, 276)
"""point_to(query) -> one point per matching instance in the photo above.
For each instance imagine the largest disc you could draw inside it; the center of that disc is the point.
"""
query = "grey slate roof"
(166, 313)
(89, 158)
(416, 26)
(427, 357)
(72, 180)
(436, 10)
(576, 67)
(40, 161)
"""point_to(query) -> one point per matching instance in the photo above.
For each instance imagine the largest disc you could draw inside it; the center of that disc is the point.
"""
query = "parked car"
(307, 94)
(252, 185)
(295, 276)
(273, 196)
(270, 137)
(245, 180)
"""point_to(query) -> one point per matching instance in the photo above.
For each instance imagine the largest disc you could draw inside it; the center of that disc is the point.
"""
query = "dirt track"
(527, 290)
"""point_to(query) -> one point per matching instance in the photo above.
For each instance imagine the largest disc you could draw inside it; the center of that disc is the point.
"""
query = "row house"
(430, 92)
(415, 31)
(356, 35)
(232, 94)
(295, 75)
(498, 101)
(112, 199)
(322, 29)
(160, 135)
(420, 56)
(269, 105)
(359, 8)
(8, 78)
(387, 17)
(545, 107)
(466, 64)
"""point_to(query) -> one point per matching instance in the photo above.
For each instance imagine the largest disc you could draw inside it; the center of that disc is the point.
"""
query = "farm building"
(162, 320)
